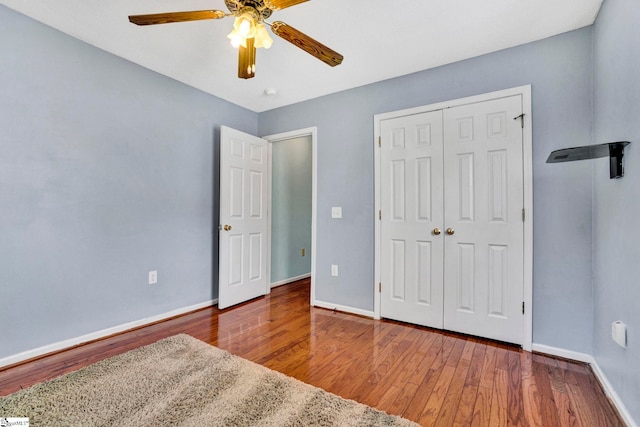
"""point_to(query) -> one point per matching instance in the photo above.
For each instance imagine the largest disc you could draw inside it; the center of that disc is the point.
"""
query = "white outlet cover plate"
(619, 333)
(336, 212)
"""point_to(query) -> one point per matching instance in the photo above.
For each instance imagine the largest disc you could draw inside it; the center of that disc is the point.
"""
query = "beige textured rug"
(181, 381)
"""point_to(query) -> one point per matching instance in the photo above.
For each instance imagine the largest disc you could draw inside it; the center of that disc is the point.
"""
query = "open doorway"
(292, 207)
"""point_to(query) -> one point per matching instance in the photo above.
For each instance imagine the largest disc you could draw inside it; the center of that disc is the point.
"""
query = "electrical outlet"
(336, 212)
(334, 270)
(619, 333)
(153, 277)
(302, 251)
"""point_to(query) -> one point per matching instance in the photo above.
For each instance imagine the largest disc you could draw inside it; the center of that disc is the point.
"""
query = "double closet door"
(451, 226)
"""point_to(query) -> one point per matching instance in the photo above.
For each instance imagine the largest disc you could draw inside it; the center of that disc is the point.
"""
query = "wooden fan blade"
(165, 18)
(281, 4)
(247, 60)
(306, 43)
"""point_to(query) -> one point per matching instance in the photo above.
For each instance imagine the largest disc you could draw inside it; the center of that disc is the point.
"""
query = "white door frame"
(525, 92)
(312, 132)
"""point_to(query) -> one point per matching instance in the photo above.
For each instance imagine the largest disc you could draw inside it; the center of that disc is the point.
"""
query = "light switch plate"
(336, 212)
(334, 270)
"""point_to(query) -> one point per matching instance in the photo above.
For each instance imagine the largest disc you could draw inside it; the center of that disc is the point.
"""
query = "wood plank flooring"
(434, 378)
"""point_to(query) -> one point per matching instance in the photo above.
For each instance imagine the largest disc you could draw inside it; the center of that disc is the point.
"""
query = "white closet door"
(412, 207)
(483, 177)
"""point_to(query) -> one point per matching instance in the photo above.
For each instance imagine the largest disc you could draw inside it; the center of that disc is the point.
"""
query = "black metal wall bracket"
(614, 150)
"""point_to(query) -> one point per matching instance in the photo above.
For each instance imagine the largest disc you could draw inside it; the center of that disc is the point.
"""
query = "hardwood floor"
(432, 377)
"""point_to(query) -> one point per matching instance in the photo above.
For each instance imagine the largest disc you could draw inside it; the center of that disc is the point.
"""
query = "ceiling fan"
(249, 31)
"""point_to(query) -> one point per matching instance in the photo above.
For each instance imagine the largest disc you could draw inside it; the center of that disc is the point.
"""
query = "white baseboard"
(587, 358)
(561, 352)
(290, 280)
(608, 388)
(61, 345)
(342, 308)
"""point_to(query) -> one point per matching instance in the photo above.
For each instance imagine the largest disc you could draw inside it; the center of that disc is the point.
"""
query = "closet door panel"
(412, 207)
(483, 178)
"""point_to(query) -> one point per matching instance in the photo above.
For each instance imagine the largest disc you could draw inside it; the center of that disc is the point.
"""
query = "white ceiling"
(379, 39)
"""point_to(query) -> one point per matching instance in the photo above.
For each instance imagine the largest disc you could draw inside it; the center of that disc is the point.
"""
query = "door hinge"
(379, 141)
(521, 117)
(523, 215)
(380, 215)
(380, 287)
(522, 307)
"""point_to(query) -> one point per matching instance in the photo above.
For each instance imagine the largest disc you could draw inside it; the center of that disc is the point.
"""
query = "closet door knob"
(436, 231)
(227, 227)
(450, 231)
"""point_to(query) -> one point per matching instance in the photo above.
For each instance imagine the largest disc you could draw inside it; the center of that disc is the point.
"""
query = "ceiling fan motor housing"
(236, 7)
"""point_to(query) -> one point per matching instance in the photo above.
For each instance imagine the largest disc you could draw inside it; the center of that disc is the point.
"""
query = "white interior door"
(412, 208)
(243, 217)
(484, 255)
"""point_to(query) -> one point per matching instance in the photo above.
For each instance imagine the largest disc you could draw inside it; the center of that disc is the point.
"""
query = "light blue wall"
(291, 208)
(616, 209)
(560, 72)
(107, 171)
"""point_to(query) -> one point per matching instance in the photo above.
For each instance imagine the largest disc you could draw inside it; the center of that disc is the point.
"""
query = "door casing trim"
(527, 154)
(311, 132)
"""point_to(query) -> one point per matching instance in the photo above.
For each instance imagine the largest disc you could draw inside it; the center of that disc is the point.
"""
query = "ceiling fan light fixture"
(245, 25)
(262, 37)
(236, 39)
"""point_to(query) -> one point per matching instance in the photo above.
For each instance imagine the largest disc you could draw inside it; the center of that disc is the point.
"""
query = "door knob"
(436, 231)
(227, 227)
(450, 231)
